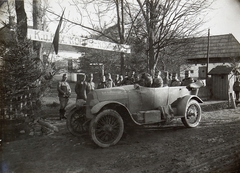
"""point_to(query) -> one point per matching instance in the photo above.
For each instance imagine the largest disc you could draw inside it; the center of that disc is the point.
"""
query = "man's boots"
(62, 112)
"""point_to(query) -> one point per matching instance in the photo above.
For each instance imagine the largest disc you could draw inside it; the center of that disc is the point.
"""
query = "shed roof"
(219, 70)
(221, 46)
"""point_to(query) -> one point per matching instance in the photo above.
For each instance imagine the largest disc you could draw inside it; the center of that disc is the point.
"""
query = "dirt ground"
(214, 146)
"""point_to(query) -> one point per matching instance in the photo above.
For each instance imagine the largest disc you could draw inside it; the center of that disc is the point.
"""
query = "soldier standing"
(109, 81)
(81, 87)
(236, 88)
(157, 80)
(188, 79)
(90, 83)
(64, 92)
(102, 83)
(175, 81)
(166, 78)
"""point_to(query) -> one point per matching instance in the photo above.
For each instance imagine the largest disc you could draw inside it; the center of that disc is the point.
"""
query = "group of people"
(145, 79)
(85, 84)
(171, 79)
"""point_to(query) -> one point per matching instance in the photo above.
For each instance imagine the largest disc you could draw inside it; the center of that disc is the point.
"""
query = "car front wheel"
(192, 116)
(106, 128)
(77, 124)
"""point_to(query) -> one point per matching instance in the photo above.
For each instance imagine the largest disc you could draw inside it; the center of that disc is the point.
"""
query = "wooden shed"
(222, 79)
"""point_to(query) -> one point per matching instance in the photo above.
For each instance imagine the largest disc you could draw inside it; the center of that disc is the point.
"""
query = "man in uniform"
(188, 79)
(236, 89)
(175, 81)
(81, 87)
(157, 80)
(109, 81)
(64, 92)
(90, 83)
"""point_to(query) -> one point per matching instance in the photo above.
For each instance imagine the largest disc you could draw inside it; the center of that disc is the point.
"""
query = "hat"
(81, 76)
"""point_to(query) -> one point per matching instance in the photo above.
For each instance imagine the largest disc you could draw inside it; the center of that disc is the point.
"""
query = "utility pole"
(208, 49)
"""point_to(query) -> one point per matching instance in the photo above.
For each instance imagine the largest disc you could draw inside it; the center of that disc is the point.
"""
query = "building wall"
(194, 68)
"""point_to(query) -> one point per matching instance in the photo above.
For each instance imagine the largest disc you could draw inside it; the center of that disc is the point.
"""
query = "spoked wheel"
(106, 128)
(192, 115)
(77, 124)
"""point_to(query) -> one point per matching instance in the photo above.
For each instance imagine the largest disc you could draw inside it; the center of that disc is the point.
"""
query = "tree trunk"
(37, 24)
(120, 24)
(151, 39)
(21, 20)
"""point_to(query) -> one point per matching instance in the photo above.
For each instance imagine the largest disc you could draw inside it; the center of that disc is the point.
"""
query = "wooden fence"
(20, 105)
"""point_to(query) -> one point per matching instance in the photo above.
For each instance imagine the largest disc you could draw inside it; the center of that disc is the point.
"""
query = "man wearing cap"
(157, 80)
(109, 81)
(175, 81)
(64, 92)
(188, 79)
(166, 79)
(90, 83)
(81, 87)
(236, 88)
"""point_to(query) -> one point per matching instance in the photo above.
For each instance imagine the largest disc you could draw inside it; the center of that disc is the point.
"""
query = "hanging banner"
(38, 35)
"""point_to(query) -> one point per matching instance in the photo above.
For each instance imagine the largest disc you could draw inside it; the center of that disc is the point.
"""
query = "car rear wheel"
(192, 115)
(106, 128)
(77, 124)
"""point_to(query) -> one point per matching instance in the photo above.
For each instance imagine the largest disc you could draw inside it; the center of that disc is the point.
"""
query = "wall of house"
(194, 68)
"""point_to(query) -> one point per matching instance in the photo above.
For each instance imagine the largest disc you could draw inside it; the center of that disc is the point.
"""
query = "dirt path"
(214, 146)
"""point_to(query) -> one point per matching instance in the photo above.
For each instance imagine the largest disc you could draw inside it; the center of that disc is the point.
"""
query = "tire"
(106, 129)
(193, 115)
(77, 124)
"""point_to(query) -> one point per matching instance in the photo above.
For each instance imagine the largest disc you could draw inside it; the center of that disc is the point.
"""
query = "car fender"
(95, 109)
(181, 104)
(70, 108)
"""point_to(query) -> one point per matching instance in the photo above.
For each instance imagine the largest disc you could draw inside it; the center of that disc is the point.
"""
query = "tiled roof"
(221, 46)
(221, 70)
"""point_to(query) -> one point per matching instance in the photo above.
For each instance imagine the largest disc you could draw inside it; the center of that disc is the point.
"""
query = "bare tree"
(161, 25)
(37, 14)
(100, 9)
(168, 23)
(21, 19)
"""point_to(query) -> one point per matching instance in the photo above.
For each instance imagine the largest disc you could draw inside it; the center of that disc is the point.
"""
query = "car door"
(177, 92)
(134, 99)
(161, 96)
(147, 98)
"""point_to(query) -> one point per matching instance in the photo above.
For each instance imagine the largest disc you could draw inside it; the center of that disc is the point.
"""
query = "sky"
(223, 18)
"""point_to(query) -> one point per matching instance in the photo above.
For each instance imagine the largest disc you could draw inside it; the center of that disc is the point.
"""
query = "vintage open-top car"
(108, 111)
